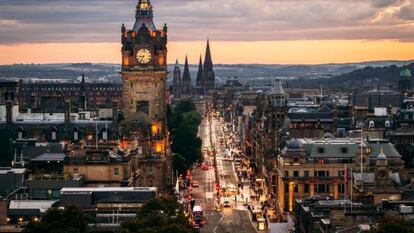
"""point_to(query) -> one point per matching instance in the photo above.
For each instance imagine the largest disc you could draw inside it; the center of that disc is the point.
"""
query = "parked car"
(194, 183)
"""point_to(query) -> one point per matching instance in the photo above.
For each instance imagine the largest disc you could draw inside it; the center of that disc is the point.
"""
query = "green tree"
(68, 220)
(160, 215)
(393, 224)
(179, 164)
(183, 123)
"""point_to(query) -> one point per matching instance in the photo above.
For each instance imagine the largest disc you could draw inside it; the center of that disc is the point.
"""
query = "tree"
(393, 224)
(68, 220)
(179, 163)
(183, 123)
(160, 215)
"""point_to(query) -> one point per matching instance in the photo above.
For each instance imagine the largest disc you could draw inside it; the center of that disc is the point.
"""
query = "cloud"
(38, 21)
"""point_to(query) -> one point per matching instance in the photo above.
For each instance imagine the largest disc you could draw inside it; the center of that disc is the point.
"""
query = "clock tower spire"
(144, 16)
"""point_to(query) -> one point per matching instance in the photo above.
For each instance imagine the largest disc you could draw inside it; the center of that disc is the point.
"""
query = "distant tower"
(405, 83)
(199, 81)
(176, 88)
(277, 97)
(208, 71)
(186, 83)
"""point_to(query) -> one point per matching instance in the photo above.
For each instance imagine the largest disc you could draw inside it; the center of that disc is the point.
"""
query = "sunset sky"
(241, 31)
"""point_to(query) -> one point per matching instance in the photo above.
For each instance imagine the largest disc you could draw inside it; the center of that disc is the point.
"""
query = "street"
(218, 219)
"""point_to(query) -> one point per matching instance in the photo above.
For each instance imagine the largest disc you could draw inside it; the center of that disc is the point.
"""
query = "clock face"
(143, 56)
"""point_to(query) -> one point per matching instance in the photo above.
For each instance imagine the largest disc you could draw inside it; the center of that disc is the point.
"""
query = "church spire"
(208, 62)
(200, 73)
(144, 16)
(186, 80)
(186, 74)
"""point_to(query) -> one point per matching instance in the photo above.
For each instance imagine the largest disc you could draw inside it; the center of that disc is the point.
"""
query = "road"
(234, 219)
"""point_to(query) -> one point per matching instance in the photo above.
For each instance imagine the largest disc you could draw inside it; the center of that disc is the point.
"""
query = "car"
(226, 203)
(194, 183)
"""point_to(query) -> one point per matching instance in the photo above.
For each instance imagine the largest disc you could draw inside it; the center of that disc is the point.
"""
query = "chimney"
(115, 112)
(67, 112)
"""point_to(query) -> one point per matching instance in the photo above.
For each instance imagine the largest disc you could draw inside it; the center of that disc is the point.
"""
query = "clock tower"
(144, 75)
(144, 65)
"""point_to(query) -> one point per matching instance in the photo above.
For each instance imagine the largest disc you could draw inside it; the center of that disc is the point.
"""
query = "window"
(116, 171)
(306, 173)
(75, 135)
(341, 188)
(306, 188)
(286, 188)
(143, 106)
(321, 150)
(296, 188)
(344, 150)
(322, 188)
(286, 173)
(75, 170)
(149, 170)
(295, 173)
(321, 173)
(341, 173)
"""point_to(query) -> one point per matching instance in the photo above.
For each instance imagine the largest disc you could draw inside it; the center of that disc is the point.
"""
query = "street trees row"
(183, 122)
(160, 215)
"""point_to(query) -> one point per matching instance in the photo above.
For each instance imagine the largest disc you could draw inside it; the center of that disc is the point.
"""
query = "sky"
(240, 31)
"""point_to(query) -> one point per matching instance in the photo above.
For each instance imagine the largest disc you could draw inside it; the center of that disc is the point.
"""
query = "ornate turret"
(186, 87)
(405, 83)
(381, 167)
(144, 15)
(277, 94)
(176, 88)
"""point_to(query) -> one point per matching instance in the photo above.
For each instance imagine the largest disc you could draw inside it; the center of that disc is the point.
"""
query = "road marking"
(221, 219)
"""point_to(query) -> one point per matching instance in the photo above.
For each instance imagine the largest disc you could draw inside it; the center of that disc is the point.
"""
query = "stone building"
(144, 73)
(323, 167)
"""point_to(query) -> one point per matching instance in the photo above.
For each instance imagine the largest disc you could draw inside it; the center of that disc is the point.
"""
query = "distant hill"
(364, 78)
(298, 75)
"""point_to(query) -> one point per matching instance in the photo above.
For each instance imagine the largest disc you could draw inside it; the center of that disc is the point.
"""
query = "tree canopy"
(68, 220)
(186, 145)
(393, 224)
(160, 215)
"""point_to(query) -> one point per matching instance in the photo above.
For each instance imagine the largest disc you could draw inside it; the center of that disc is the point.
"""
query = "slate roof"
(50, 157)
(346, 150)
(277, 88)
